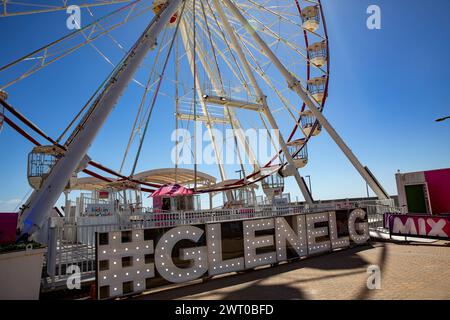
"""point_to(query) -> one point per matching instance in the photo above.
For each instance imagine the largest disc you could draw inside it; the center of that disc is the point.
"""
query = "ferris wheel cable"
(161, 77)
(135, 127)
(296, 87)
(284, 41)
(262, 98)
(277, 14)
(117, 43)
(297, 123)
(245, 84)
(241, 76)
(59, 55)
(202, 47)
(72, 34)
(232, 117)
(262, 74)
(233, 120)
(27, 194)
(101, 53)
(213, 79)
(151, 82)
(266, 29)
(258, 69)
(91, 110)
(49, 8)
(188, 46)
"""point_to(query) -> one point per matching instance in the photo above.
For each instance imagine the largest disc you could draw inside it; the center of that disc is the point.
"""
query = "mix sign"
(136, 260)
(420, 226)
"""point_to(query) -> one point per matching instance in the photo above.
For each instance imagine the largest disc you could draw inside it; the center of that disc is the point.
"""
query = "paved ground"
(408, 271)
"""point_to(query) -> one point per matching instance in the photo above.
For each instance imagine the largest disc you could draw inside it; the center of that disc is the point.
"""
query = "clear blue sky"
(387, 88)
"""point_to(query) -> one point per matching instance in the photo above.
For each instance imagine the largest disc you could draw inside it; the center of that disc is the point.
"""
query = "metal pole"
(266, 110)
(309, 180)
(294, 84)
(38, 209)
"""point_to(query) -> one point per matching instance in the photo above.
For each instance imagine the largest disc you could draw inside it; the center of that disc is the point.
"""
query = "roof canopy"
(172, 190)
(163, 176)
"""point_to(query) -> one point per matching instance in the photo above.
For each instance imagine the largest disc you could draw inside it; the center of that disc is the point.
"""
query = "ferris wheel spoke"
(266, 111)
(16, 8)
(228, 112)
(141, 113)
(191, 56)
(56, 50)
(259, 70)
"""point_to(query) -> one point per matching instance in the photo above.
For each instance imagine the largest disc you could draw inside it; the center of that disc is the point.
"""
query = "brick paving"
(408, 271)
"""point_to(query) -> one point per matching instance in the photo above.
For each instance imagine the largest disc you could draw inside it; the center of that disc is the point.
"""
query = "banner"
(133, 261)
(99, 209)
(8, 226)
(425, 226)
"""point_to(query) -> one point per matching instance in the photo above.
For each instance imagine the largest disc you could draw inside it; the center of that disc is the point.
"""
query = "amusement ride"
(224, 64)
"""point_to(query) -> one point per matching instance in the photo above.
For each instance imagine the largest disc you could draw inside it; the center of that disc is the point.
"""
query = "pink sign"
(438, 182)
(420, 226)
(8, 225)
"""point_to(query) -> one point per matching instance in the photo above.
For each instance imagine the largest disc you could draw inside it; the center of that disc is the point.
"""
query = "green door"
(415, 197)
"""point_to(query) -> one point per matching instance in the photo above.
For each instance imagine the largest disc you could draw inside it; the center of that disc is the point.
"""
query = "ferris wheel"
(224, 64)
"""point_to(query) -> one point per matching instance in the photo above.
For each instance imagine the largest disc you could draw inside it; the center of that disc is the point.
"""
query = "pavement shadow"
(258, 291)
(347, 259)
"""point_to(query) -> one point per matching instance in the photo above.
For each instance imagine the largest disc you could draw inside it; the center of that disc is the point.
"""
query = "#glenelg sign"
(137, 260)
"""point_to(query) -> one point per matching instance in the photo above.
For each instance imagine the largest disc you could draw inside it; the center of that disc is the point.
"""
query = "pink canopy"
(172, 190)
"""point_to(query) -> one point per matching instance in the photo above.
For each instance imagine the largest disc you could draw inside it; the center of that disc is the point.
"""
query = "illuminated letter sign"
(133, 261)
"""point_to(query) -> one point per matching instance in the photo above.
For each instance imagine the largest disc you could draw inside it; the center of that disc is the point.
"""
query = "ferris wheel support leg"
(295, 85)
(38, 207)
(265, 110)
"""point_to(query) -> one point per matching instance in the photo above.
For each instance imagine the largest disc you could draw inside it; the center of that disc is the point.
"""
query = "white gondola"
(299, 152)
(40, 162)
(318, 53)
(311, 18)
(308, 121)
(316, 87)
(273, 185)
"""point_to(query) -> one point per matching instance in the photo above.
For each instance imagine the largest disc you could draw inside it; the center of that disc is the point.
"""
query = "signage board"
(99, 209)
(132, 261)
(419, 226)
